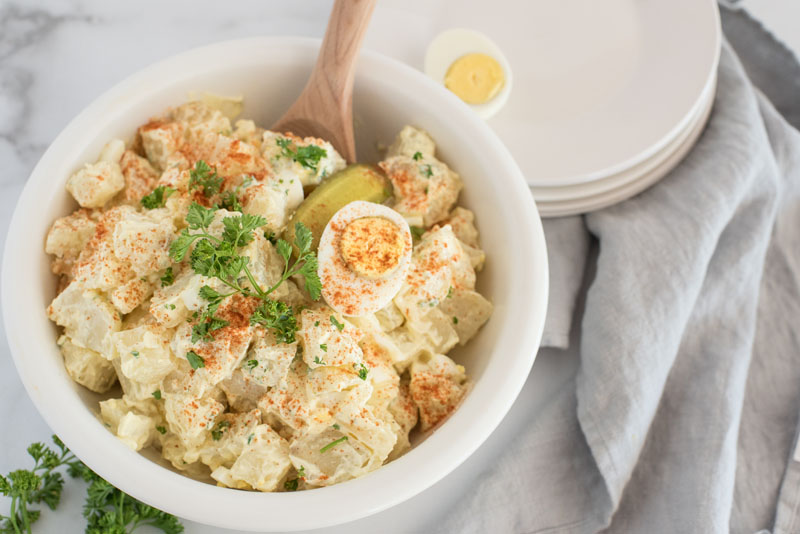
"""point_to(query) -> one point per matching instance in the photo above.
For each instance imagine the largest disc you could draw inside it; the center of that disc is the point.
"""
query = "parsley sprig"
(41, 484)
(157, 198)
(218, 257)
(307, 156)
(205, 178)
(107, 509)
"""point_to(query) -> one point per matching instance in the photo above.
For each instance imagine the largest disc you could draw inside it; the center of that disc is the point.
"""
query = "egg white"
(360, 296)
(452, 44)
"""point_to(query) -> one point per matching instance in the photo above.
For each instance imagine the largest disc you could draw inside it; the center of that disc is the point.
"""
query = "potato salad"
(258, 311)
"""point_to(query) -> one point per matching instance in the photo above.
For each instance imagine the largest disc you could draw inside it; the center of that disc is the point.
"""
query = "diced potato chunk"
(87, 367)
(437, 387)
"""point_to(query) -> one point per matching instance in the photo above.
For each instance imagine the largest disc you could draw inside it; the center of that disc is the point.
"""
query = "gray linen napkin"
(682, 416)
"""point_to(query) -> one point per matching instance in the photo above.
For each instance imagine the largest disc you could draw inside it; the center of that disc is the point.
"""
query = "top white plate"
(598, 86)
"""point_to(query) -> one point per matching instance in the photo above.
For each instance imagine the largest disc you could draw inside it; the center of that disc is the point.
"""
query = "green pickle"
(356, 182)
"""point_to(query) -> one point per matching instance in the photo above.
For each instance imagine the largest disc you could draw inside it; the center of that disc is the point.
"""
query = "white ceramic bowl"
(269, 73)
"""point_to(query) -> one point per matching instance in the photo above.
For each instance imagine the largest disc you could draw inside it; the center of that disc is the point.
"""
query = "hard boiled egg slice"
(471, 66)
(364, 255)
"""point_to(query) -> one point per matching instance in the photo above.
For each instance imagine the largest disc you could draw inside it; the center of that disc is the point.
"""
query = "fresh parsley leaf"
(199, 217)
(332, 444)
(157, 394)
(157, 198)
(203, 177)
(251, 364)
(303, 238)
(291, 485)
(180, 246)
(238, 230)
(455, 320)
(195, 360)
(362, 372)
(323, 347)
(211, 295)
(310, 276)
(336, 426)
(339, 326)
(450, 292)
(426, 170)
(168, 277)
(202, 331)
(307, 156)
(284, 249)
(161, 430)
(417, 156)
(277, 316)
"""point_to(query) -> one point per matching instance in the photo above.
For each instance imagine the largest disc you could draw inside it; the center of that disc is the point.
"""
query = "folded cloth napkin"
(682, 416)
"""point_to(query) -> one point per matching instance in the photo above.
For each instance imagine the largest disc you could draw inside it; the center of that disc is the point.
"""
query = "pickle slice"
(356, 182)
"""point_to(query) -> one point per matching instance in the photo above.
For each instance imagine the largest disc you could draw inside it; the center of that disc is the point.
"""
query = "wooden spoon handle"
(337, 58)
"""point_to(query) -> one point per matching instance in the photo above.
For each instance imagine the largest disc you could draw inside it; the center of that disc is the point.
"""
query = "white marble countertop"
(57, 56)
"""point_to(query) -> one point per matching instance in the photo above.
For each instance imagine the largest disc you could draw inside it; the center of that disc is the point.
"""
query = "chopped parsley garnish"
(250, 438)
(216, 434)
(417, 232)
(318, 361)
(417, 156)
(161, 430)
(195, 360)
(332, 444)
(307, 156)
(316, 323)
(455, 320)
(168, 278)
(291, 485)
(252, 364)
(324, 347)
(362, 372)
(426, 170)
(157, 394)
(336, 426)
(202, 176)
(339, 326)
(218, 257)
(135, 353)
(157, 198)
(450, 292)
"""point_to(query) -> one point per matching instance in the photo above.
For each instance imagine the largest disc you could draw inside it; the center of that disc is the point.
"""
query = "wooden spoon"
(325, 107)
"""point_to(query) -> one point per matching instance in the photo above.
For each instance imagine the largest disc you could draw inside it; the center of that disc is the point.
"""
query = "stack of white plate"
(607, 96)
(610, 136)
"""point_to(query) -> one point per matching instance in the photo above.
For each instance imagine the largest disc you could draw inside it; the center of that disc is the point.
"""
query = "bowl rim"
(446, 448)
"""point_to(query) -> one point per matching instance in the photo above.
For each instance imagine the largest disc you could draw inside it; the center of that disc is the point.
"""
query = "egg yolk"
(475, 78)
(372, 246)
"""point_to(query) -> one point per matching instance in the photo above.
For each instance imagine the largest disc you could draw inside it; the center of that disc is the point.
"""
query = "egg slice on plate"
(471, 66)
(364, 254)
